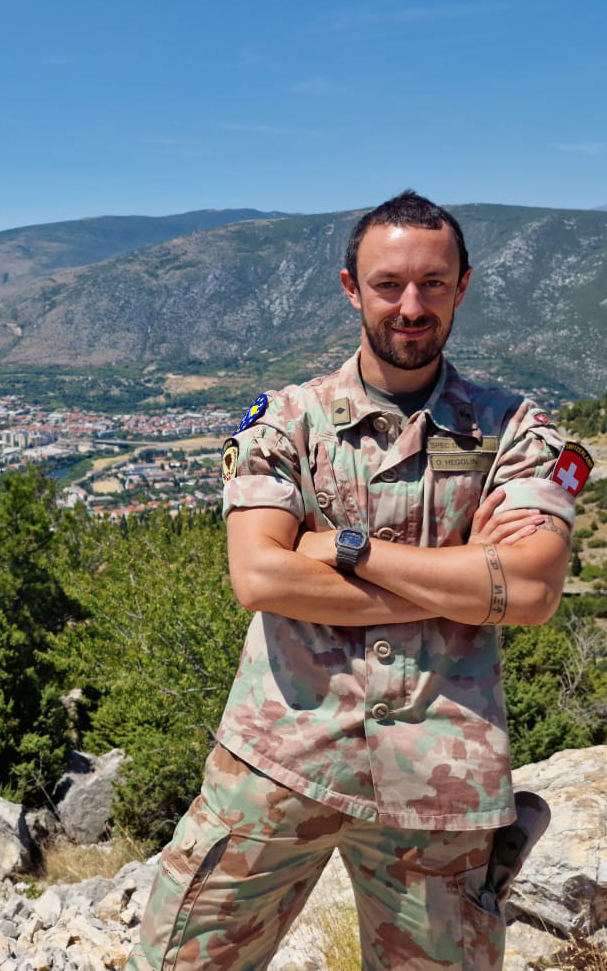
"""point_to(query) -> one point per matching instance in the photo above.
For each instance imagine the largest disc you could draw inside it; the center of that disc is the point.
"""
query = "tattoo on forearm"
(499, 591)
(550, 525)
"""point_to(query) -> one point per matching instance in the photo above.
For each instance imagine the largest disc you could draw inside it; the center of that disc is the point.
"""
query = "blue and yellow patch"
(254, 412)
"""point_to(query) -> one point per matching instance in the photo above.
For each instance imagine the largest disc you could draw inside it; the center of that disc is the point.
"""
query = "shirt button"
(381, 423)
(390, 475)
(380, 711)
(323, 499)
(382, 649)
(387, 533)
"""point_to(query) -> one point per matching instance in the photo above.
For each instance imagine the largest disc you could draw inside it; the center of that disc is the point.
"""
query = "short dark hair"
(406, 209)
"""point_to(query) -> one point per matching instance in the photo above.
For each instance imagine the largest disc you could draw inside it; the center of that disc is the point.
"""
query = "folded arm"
(274, 568)
(482, 582)
(268, 574)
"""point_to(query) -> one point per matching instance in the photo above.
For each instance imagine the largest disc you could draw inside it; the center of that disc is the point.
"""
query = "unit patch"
(254, 412)
(229, 458)
(573, 466)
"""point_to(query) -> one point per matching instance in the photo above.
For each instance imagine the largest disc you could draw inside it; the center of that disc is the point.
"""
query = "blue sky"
(151, 107)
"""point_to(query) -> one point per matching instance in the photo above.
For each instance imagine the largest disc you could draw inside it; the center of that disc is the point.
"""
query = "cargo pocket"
(483, 932)
(198, 844)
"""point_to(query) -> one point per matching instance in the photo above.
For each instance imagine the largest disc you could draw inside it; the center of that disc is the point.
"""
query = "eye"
(433, 284)
(386, 285)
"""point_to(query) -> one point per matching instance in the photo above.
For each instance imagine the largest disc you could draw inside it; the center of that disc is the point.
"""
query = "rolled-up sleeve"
(524, 467)
(266, 473)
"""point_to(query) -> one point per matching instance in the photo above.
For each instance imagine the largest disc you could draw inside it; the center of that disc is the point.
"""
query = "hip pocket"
(197, 847)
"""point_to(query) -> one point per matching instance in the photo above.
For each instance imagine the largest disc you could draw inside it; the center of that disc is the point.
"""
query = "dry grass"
(575, 955)
(66, 862)
(337, 938)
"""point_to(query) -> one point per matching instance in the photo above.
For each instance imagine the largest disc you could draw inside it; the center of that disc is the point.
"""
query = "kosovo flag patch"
(254, 412)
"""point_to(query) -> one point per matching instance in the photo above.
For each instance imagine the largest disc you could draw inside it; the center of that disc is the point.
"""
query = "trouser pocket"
(198, 844)
(483, 930)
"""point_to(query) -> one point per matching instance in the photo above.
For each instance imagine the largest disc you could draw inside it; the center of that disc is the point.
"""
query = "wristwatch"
(350, 542)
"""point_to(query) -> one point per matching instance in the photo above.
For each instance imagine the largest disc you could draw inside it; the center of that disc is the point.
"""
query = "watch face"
(352, 538)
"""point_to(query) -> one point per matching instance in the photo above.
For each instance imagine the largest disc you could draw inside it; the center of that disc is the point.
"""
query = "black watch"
(350, 542)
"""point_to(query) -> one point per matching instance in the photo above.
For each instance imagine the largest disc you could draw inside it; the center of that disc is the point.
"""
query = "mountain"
(32, 252)
(260, 301)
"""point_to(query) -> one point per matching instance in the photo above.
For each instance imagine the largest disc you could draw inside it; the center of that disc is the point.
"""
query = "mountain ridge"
(223, 296)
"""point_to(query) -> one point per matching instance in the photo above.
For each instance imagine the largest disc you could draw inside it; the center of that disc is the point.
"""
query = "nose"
(411, 303)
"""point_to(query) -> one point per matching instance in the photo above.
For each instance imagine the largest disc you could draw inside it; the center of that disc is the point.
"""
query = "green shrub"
(34, 609)
(158, 655)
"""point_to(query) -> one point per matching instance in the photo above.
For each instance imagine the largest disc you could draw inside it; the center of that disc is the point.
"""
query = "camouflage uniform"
(398, 729)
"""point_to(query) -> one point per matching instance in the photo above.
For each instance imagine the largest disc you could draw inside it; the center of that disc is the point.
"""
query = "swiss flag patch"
(572, 468)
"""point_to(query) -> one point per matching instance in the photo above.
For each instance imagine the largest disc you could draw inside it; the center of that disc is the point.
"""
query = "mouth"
(411, 333)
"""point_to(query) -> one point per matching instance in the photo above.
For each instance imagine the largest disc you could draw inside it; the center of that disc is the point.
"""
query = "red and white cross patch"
(572, 468)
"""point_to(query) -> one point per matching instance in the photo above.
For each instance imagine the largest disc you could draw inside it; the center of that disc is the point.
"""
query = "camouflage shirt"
(404, 723)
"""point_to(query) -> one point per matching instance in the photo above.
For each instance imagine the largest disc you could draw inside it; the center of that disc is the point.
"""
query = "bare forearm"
(474, 584)
(288, 583)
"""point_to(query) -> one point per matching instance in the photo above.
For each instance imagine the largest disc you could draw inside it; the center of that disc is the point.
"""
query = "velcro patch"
(254, 412)
(229, 459)
(573, 466)
(440, 443)
(462, 461)
(340, 411)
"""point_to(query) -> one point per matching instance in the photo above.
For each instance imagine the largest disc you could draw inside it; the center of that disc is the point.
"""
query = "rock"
(42, 825)
(83, 796)
(15, 844)
(563, 884)
(48, 907)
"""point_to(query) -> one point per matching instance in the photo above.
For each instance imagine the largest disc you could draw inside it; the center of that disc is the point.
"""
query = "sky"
(153, 107)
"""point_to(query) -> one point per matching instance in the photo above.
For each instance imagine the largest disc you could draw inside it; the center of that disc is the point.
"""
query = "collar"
(449, 407)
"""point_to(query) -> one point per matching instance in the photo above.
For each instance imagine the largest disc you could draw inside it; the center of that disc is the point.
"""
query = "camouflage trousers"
(246, 855)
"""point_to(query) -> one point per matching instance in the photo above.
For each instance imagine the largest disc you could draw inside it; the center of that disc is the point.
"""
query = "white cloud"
(369, 16)
(582, 148)
(317, 87)
(269, 130)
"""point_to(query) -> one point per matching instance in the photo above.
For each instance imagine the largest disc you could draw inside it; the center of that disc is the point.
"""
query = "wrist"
(350, 544)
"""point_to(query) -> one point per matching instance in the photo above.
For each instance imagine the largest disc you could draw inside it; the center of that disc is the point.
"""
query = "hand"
(318, 546)
(504, 528)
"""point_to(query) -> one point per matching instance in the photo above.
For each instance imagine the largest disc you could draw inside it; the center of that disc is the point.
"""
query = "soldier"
(383, 521)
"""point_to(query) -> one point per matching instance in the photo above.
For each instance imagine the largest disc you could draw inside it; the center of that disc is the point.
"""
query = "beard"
(409, 355)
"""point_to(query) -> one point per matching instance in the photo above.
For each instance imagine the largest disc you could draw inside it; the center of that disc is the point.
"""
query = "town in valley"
(118, 464)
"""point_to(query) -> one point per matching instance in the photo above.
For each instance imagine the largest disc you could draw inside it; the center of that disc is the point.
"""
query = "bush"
(555, 681)
(158, 655)
(34, 609)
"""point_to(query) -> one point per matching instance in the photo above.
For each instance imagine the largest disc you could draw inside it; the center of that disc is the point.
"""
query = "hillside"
(33, 252)
(262, 298)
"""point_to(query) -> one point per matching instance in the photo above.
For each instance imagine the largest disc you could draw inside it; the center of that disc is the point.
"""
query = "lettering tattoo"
(499, 590)
(550, 525)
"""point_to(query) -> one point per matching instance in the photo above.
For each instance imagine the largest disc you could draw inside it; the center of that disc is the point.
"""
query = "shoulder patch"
(229, 459)
(543, 419)
(254, 412)
(573, 466)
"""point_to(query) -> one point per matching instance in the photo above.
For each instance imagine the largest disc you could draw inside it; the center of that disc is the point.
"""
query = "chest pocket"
(453, 498)
(330, 501)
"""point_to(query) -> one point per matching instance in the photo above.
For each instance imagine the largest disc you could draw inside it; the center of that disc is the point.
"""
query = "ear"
(462, 286)
(352, 292)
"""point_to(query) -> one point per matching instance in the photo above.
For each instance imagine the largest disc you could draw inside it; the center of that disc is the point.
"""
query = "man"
(382, 521)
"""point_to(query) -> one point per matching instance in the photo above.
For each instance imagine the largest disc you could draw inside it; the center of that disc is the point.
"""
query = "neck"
(394, 379)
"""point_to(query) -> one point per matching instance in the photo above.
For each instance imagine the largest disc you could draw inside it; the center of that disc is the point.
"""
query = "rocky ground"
(561, 893)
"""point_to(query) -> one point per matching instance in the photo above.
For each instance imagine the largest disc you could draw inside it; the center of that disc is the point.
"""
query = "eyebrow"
(395, 274)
